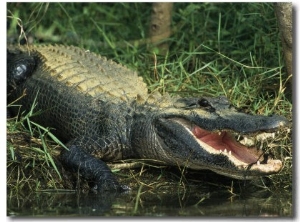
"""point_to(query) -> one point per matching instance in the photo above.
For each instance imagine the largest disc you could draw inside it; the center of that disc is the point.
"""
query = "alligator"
(103, 112)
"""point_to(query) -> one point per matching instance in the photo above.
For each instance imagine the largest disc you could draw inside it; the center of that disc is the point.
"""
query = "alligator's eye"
(204, 103)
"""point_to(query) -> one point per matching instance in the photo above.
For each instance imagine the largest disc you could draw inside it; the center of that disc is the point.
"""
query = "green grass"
(30, 164)
(231, 49)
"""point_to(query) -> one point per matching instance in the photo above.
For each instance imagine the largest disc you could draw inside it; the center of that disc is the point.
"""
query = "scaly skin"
(102, 111)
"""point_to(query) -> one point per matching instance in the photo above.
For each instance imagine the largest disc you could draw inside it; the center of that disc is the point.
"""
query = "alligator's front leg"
(93, 169)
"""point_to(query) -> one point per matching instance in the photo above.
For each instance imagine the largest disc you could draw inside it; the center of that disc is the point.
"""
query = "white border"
(3, 121)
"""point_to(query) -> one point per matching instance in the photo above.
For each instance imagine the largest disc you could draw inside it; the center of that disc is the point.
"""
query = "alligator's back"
(72, 83)
(88, 72)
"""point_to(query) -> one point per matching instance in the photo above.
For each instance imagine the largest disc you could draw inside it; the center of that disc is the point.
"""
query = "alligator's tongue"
(225, 142)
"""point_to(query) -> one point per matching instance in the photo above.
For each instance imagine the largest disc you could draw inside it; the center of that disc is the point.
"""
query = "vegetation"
(230, 49)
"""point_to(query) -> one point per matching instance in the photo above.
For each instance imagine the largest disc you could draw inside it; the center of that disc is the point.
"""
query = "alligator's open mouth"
(244, 158)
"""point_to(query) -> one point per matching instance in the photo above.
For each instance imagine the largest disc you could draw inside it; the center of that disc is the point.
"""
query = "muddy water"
(202, 201)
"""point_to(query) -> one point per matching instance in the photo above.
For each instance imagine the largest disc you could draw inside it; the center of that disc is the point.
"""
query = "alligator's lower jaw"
(247, 162)
(249, 172)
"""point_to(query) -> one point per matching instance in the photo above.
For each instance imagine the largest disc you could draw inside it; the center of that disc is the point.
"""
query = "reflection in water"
(193, 201)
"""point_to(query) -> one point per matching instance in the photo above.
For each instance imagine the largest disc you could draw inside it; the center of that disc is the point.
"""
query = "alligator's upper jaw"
(223, 154)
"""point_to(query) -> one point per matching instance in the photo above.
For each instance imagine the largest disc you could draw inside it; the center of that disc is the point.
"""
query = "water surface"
(203, 201)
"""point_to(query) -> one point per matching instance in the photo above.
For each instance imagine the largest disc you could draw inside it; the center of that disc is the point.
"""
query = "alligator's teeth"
(225, 151)
(229, 152)
(219, 133)
(261, 145)
(258, 163)
(220, 151)
(265, 136)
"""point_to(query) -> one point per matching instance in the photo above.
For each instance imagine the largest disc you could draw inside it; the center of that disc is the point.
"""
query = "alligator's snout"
(212, 140)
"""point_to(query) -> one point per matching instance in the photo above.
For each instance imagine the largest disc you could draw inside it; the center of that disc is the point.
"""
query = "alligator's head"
(201, 134)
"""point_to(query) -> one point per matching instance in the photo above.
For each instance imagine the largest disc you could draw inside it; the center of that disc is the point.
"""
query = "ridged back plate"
(88, 72)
